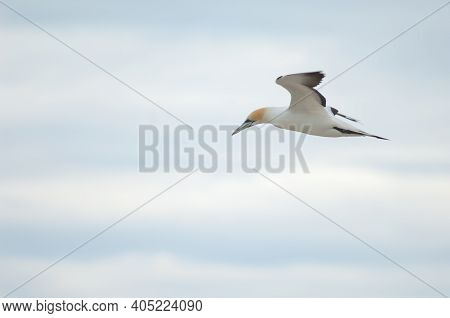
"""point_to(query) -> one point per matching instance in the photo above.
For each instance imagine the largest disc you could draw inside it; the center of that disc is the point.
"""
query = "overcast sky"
(69, 140)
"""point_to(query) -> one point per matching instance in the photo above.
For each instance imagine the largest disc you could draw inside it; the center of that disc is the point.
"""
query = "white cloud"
(171, 276)
(70, 141)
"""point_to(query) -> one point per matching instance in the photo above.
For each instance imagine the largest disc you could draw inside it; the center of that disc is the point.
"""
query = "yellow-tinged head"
(256, 117)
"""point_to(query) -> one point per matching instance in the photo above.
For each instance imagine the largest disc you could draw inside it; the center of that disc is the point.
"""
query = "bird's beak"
(247, 124)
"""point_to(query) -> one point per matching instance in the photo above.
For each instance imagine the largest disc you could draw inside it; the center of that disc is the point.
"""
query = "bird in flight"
(308, 111)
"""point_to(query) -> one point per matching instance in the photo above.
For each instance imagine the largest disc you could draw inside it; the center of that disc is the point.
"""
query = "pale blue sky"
(69, 160)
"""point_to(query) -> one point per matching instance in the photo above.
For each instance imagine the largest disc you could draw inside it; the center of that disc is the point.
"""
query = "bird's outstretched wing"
(301, 87)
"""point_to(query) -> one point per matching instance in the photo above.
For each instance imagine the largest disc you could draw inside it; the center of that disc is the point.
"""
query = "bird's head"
(255, 118)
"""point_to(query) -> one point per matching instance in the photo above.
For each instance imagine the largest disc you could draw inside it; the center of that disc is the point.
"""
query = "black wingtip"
(378, 137)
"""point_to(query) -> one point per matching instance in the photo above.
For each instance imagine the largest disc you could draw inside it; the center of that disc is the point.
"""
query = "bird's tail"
(375, 136)
(357, 132)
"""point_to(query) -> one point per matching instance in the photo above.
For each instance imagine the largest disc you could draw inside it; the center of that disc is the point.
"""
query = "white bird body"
(307, 113)
(317, 123)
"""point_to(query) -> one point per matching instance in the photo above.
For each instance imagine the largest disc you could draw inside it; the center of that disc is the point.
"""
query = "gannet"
(308, 111)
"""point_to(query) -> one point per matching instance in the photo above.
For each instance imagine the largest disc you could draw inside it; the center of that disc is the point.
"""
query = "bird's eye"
(279, 77)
